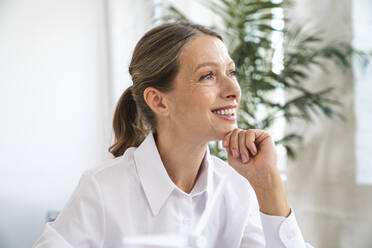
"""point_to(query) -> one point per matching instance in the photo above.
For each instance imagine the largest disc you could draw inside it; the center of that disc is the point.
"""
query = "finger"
(261, 136)
(250, 139)
(234, 143)
(242, 147)
(226, 140)
(229, 154)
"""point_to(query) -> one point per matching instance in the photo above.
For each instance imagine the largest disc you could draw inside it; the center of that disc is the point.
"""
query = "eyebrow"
(210, 64)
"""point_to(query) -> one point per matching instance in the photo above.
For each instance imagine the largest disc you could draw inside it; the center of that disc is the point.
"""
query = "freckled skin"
(192, 100)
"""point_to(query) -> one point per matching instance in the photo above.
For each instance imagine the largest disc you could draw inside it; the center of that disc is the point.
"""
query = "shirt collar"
(155, 180)
(204, 182)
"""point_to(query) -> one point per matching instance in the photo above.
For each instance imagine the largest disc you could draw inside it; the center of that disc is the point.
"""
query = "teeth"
(224, 111)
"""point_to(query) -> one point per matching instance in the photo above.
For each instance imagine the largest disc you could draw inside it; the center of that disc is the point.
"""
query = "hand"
(252, 153)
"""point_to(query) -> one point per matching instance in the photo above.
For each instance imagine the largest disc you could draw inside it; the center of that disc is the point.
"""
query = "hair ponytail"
(127, 123)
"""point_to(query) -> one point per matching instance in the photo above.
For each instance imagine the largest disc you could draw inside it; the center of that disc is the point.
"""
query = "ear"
(156, 100)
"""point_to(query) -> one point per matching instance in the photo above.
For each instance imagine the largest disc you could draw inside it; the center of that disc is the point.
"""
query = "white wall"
(127, 23)
(61, 72)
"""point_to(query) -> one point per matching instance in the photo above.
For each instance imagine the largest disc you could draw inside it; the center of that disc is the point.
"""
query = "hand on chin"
(252, 153)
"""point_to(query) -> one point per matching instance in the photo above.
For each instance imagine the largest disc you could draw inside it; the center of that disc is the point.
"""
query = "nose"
(230, 89)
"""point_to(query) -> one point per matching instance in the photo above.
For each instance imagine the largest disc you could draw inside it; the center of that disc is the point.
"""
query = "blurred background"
(64, 64)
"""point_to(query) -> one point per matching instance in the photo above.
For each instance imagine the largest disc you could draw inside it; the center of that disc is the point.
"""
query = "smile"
(226, 114)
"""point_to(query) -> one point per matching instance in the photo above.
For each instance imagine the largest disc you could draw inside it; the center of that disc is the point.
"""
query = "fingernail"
(254, 150)
(244, 158)
(235, 153)
(224, 143)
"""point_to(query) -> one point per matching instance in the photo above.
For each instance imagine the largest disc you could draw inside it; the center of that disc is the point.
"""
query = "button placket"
(187, 210)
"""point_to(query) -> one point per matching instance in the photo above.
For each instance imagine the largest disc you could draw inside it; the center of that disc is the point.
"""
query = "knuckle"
(268, 133)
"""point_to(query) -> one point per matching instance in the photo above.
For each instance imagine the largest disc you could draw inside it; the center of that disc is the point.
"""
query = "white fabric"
(133, 195)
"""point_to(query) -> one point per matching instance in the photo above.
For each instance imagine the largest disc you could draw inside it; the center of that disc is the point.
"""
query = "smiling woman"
(155, 64)
(204, 83)
(163, 179)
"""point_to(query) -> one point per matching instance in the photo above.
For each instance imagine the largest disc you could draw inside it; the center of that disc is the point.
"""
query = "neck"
(181, 157)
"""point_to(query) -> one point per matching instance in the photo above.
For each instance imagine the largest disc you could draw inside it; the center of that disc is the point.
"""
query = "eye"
(208, 76)
(233, 73)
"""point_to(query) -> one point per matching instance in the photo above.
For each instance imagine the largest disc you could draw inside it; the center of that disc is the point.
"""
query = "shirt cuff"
(281, 231)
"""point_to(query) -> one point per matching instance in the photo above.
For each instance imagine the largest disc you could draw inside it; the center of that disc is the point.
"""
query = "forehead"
(201, 49)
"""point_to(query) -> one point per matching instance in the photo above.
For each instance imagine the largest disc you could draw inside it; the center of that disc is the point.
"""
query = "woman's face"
(206, 82)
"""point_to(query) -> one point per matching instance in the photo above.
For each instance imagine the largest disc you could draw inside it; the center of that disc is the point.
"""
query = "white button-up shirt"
(133, 195)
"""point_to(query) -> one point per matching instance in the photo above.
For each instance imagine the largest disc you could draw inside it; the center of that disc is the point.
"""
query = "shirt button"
(186, 221)
(291, 235)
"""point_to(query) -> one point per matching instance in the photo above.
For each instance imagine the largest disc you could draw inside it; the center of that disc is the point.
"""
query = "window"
(362, 23)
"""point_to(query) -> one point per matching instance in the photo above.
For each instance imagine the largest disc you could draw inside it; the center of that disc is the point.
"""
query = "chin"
(222, 132)
(229, 129)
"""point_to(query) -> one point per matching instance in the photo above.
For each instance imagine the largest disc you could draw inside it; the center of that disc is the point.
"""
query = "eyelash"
(205, 76)
(211, 74)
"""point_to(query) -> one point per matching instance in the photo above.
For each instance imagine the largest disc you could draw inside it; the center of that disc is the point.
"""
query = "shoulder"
(118, 168)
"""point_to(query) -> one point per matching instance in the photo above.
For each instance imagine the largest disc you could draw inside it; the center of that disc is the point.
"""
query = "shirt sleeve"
(262, 230)
(282, 232)
(81, 223)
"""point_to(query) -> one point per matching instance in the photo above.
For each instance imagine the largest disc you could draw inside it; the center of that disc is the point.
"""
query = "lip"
(226, 117)
(225, 107)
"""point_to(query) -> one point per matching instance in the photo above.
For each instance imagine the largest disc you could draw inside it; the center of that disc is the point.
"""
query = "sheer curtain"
(332, 208)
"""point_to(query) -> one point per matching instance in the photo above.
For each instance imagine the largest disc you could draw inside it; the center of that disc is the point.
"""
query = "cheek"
(203, 102)
(204, 98)
(196, 100)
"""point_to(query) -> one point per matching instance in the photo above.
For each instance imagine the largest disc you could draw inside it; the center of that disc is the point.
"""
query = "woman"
(184, 95)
